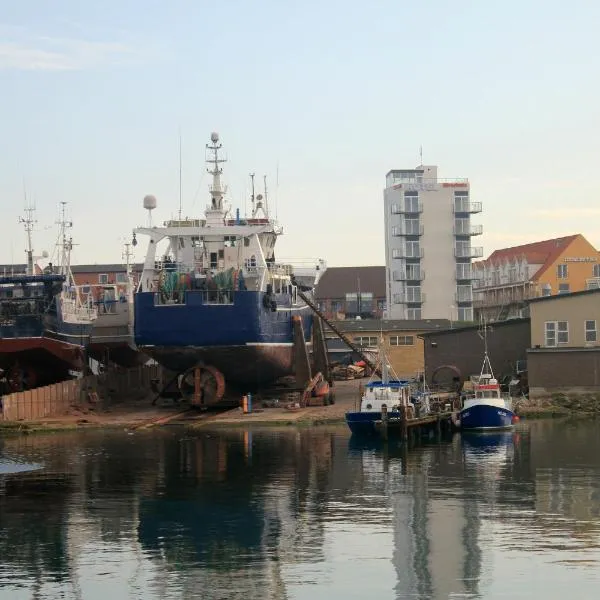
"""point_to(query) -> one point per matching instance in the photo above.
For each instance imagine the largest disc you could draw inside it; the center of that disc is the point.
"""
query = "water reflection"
(296, 514)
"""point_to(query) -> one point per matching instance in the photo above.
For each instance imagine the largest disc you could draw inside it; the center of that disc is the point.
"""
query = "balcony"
(592, 284)
(407, 229)
(464, 295)
(407, 253)
(467, 229)
(470, 252)
(412, 208)
(468, 208)
(409, 297)
(408, 275)
(464, 272)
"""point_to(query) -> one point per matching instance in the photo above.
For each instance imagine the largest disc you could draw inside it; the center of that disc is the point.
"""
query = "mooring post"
(384, 422)
(404, 423)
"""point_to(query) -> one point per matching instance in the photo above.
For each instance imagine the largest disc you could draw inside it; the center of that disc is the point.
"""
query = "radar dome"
(214, 137)
(149, 202)
(45, 254)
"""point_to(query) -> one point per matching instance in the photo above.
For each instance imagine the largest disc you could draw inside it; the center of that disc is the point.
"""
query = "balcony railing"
(470, 252)
(410, 209)
(592, 284)
(464, 272)
(468, 207)
(409, 298)
(408, 275)
(467, 229)
(404, 230)
(407, 253)
(464, 296)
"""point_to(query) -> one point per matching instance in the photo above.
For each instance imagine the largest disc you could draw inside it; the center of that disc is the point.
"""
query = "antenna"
(421, 155)
(252, 197)
(127, 255)
(66, 244)
(28, 220)
(276, 188)
(266, 209)
(180, 190)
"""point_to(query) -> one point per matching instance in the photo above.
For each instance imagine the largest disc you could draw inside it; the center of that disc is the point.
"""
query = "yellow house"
(403, 348)
(511, 276)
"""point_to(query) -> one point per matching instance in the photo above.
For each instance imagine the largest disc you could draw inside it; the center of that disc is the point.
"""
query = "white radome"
(149, 202)
(214, 137)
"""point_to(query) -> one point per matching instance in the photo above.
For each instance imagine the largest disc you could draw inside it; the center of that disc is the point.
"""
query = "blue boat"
(45, 322)
(389, 392)
(486, 409)
(215, 299)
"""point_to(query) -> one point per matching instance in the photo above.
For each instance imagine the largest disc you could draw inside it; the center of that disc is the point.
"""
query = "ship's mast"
(66, 243)
(28, 221)
(217, 190)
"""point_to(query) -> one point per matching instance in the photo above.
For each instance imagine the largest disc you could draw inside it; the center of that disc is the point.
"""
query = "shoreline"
(141, 415)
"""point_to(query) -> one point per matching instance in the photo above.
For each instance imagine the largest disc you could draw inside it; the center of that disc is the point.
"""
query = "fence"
(57, 399)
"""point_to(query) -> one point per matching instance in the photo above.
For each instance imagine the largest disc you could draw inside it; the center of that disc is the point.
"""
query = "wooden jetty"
(411, 428)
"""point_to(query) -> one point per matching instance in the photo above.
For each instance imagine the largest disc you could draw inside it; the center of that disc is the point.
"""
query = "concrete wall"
(575, 309)
(507, 343)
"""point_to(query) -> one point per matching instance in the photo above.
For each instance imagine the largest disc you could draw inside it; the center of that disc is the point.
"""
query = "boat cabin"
(391, 394)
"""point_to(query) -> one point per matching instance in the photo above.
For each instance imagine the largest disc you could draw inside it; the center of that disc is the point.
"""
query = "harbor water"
(302, 514)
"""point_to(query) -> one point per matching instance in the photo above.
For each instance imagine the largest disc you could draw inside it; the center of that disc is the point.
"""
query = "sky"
(322, 97)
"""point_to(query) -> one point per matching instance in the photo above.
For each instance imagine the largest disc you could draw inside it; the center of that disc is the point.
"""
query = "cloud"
(43, 53)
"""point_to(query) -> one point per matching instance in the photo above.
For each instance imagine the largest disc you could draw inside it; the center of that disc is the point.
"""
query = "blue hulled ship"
(214, 297)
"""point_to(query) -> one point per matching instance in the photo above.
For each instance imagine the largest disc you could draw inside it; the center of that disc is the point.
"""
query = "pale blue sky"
(335, 93)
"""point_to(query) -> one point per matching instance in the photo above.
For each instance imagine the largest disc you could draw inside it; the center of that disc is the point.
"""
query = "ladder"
(341, 335)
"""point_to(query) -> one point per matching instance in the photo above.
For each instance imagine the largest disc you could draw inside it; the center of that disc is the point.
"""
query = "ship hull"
(251, 344)
(485, 417)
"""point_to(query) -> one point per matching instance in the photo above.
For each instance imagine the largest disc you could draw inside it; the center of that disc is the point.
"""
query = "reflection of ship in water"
(222, 503)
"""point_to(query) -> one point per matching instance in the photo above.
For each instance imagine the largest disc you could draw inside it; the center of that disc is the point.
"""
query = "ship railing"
(208, 297)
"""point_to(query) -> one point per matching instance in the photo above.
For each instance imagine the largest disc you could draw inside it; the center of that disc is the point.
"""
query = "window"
(596, 271)
(464, 293)
(463, 271)
(402, 340)
(381, 305)
(121, 277)
(562, 271)
(550, 334)
(465, 314)
(413, 314)
(590, 331)
(413, 272)
(103, 278)
(413, 250)
(563, 288)
(365, 341)
(461, 204)
(413, 294)
(411, 204)
(556, 332)
(412, 226)
(336, 306)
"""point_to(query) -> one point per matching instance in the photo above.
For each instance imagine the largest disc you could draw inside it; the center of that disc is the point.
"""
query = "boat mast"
(28, 221)
(217, 190)
(66, 244)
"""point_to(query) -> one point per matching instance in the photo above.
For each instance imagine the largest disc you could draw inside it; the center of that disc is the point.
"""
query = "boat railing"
(207, 297)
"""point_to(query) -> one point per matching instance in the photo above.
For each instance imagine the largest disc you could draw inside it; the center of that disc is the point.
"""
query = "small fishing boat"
(486, 409)
(389, 392)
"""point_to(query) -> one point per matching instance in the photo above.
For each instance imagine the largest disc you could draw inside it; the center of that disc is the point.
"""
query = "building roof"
(336, 282)
(461, 328)
(109, 268)
(387, 325)
(542, 253)
(563, 296)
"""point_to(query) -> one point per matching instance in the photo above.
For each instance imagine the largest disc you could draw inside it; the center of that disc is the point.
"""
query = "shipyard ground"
(141, 414)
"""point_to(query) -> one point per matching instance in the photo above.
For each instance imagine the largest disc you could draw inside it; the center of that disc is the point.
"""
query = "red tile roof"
(538, 253)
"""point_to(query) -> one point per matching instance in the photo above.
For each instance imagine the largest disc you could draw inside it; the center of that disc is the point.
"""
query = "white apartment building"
(428, 233)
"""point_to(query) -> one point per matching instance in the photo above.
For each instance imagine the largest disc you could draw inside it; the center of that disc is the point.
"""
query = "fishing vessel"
(486, 409)
(45, 319)
(215, 298)
(389, 392)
